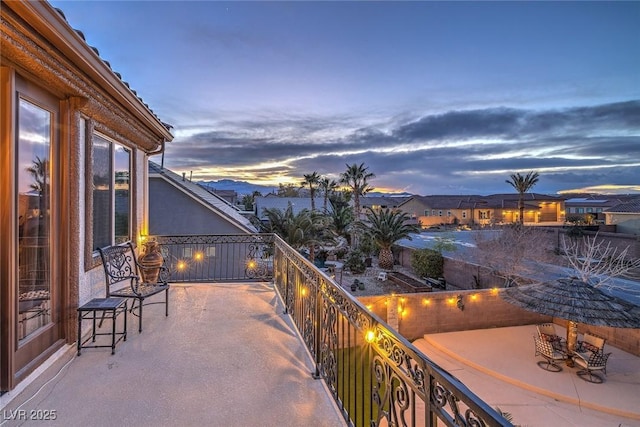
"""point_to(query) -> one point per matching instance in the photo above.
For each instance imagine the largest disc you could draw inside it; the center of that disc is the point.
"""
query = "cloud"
(454, 151)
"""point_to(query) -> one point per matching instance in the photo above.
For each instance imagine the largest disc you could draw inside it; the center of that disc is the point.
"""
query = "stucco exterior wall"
(625, 223)
(172, 212)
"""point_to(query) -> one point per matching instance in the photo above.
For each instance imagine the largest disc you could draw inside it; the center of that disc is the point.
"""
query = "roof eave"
(48, 21)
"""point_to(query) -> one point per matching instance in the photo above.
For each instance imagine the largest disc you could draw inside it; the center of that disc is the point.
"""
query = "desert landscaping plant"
(427, 263)
(386, 227)
(355, 262)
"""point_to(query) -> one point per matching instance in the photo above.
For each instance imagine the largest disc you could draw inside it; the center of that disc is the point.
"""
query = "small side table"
(111, 307)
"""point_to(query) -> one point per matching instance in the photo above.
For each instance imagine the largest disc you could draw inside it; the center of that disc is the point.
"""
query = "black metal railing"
(375, 375)
(218, 258)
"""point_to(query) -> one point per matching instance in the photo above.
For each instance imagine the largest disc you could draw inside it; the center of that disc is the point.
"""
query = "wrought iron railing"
(375, 375)
(218, 258)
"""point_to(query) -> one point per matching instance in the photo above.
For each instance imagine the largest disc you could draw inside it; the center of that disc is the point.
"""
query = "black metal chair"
(590, 342)
(591, 362)
(548, 331)
(121, 267)
(551, 353)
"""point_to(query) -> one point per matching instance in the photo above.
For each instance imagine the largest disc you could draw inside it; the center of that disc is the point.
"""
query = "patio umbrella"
(575, 301)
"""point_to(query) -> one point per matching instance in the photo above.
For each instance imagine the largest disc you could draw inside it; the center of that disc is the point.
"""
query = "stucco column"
(392, 313)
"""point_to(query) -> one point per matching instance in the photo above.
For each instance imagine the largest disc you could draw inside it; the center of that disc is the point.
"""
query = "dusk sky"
(434, 97)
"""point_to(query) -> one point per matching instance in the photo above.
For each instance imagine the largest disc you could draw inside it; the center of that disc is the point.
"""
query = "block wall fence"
(417, 314)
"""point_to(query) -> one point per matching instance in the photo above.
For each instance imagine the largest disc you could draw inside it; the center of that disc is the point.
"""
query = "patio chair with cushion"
(591, 362)
(552, 354)
(547, 331)
(591, 343)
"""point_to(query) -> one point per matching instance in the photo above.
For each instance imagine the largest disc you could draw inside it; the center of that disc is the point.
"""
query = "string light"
(370, 336)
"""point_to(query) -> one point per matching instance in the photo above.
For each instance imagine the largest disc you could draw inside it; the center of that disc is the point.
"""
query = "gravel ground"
(373, 286)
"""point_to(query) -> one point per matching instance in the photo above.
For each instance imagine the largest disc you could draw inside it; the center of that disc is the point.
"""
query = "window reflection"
(122, 204)
(34, 201)
(111, 164)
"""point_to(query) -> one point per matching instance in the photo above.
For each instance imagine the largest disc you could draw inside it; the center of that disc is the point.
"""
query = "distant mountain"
(377, 194)
(243, 187)
(240, 187)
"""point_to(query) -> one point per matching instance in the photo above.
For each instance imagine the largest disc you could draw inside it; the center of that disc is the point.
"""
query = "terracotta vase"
(150, 262)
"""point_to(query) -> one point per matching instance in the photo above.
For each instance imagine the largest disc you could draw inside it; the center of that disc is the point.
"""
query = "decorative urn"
(150, 262)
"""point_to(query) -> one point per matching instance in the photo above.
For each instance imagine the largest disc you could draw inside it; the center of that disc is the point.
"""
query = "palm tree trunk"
(521, 208)
(385, 259)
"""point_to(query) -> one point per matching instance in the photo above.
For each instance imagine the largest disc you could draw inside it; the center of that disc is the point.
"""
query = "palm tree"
(312, 180)
(40, 172)
(522, 184)
(304, 229)
(342, 217)
(385, 228)
(328, 186)
(357, 178)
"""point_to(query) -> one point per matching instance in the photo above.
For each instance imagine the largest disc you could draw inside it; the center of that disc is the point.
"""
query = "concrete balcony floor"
(228, 356)
(225, 356)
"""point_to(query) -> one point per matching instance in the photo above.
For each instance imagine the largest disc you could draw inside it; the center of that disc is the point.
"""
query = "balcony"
(256, 335)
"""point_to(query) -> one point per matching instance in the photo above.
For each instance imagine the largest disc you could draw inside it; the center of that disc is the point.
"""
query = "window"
(448, 213)
(589, 210)
(111, 166)
(433, 212)
(464, 214)
(598, 210)
(439, 213)
(580, 210)
(483, 214)
(426, 212)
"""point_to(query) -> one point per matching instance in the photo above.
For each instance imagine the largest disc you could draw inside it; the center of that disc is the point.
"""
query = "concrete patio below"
(225, 356)
(500, 367)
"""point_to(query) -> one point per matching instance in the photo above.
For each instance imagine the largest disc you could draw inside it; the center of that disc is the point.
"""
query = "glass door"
(37, 293)
(34, 219)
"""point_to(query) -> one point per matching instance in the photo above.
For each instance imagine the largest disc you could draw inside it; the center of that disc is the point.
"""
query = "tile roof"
(213, 201)
(628, 207)
(382, 201)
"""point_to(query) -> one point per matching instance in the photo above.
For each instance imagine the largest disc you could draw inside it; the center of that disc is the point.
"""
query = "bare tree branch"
(510, 251)
(598, 263)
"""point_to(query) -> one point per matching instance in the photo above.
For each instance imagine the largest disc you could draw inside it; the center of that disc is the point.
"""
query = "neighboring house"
(591, 208)
(75, 141)
(179, 207)
(297, 204)
(625, 216)
(378, 203)
(538, 208)
(231, 196)
(435, 210)
(472, 209)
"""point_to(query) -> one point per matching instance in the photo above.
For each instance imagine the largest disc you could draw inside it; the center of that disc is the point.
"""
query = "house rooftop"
(628, 207)
(212, 200)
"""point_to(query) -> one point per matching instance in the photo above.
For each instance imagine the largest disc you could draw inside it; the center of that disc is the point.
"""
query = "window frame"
(89, 131)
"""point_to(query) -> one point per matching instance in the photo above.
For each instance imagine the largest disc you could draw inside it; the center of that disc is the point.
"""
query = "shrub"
(427, 263)
(355, 262)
